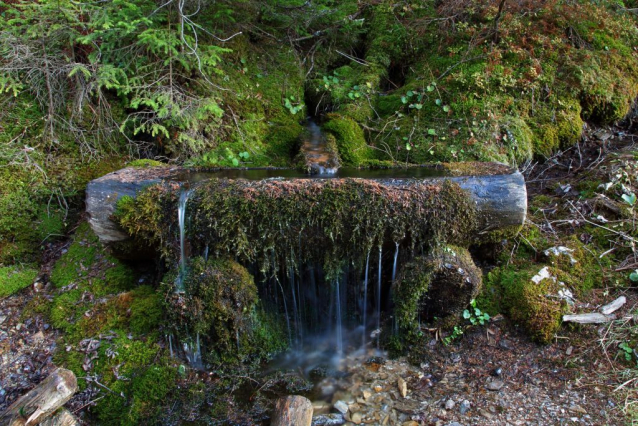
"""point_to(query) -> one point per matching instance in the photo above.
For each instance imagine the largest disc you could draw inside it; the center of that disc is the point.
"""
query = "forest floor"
(492, 375)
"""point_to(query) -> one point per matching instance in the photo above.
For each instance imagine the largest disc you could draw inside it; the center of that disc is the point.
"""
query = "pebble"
(464, 407)
(495, 385)
(485, 414)
(569, 351)
(403, 387)
(2, 318)
(356, 418)
(449, 404)
(341, 406)
(497, 372)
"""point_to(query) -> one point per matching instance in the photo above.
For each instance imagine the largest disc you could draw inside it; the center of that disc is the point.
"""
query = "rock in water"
(292, 411)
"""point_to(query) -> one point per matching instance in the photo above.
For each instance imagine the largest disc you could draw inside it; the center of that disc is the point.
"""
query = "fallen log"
(292, 411)
(42, 401)
(498, 192)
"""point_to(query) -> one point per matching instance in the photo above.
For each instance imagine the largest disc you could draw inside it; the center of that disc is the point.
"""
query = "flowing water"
(181, 220)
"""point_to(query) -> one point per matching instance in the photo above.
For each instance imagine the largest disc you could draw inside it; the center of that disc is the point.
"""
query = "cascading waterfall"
(181, 219)
(339, 323)
(394, 265)
(365, 299)
(378, 313)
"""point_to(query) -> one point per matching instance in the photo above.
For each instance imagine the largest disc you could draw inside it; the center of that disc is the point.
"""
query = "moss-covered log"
(476, 202)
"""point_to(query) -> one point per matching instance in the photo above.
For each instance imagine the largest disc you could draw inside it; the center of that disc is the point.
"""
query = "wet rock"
(341, 406)
(328, 420)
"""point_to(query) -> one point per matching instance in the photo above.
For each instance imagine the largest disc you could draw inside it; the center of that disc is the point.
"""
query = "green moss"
(235, 218)
(528, 303)
(351, 141)
(546, 140)
(73, 265)
(15, 278)
(144, 162)
(570, 124)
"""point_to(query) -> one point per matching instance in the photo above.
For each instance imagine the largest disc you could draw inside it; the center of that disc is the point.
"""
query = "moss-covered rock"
(532, 303)
(350, 139)
(220, 307)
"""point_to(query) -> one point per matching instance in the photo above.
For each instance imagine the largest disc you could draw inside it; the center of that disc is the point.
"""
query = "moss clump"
(527, 302)
(570, 124)
(439, 285)
(15, 278)
(546, 141)
(350, 139)
(220, 306)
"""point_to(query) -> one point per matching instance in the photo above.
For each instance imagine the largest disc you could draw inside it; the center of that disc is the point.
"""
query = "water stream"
(181, 219)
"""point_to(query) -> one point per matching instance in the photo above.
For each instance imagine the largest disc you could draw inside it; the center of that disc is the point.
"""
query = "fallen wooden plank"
(613, 306)
(62, 417)
(592, 318)
(292, 411)
(41, 401)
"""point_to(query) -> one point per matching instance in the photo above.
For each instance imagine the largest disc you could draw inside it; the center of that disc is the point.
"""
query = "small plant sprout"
(630, 199)
(456, 333)
(475, 315)
(627, 352)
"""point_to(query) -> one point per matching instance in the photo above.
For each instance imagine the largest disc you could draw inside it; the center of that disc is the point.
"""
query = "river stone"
(341, 406)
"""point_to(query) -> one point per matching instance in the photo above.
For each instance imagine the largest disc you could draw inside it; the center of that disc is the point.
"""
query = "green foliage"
(15, 278)
(474, 315)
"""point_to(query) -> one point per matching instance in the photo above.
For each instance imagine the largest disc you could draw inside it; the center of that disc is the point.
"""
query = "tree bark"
(292, 411)
(41, 401)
